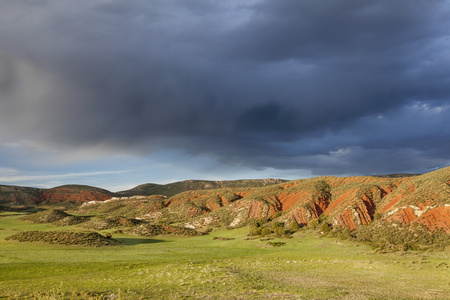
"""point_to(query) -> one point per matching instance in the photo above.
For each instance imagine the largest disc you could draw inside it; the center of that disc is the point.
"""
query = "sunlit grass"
(168, 267)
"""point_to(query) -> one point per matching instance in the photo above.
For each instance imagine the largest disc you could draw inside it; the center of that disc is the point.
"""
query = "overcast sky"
(118, 93)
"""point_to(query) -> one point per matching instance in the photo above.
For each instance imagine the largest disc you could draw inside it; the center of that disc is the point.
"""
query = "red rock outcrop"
(438, 217)
(63, 194)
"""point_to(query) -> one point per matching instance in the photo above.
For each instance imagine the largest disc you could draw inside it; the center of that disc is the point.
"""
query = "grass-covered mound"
(149, 230)
(64, 238)
(71, 220)
(46, 216)
(102, 223)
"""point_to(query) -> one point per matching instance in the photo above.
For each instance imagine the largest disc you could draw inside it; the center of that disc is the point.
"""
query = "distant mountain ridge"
(174, 188)
(17, 195)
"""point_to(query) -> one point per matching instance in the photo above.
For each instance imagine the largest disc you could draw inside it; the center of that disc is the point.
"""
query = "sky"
(116, 93)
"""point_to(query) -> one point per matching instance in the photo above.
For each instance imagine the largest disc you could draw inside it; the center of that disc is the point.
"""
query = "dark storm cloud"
(332, 86)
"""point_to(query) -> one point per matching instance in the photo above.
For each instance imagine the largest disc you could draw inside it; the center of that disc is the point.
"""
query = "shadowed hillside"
(17, 195)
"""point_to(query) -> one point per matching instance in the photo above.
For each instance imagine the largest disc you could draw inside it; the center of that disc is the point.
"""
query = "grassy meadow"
(170, 267)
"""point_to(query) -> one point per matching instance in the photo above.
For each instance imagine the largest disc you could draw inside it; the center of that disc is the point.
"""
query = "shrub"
(312, 224)
(276, 225)
(325, 228)
(265, 231)
(294, 227)
(280, 231)
(277, 214)
(276, 244)
(260, 222)
(343, 233)
(377, 216)
(255, 231)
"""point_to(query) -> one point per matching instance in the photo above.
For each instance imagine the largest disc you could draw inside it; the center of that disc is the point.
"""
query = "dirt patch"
(69, 238)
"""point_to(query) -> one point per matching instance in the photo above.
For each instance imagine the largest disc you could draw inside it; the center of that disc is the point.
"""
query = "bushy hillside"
(346, 202)
(14, 195)
(17, 195)
(172, 189)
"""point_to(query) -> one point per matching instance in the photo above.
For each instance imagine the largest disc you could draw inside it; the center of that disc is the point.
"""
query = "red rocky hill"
(345, 201)
(14, 195)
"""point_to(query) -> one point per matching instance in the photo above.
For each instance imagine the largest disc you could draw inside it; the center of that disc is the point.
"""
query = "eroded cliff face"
(344, 201)
(352, 201)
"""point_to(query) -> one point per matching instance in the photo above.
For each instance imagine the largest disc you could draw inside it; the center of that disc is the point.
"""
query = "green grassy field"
(168, 267)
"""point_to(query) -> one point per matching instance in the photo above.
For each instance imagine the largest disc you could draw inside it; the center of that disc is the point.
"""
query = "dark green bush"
(276, 244)
(294, 227)
(312, 224)
(325, 228)
(265, 231)
(280, 231)
(255, 231)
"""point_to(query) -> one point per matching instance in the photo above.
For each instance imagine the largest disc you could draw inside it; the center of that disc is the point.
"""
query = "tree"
(294, 227)
(312, 224)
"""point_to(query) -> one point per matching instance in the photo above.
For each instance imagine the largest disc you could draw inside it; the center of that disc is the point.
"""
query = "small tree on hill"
(294, 227)
(312, 224)
(265, 231)
(325, 228)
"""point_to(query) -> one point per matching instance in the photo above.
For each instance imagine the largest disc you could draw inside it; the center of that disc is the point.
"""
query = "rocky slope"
(345, 201)
(14, 195)
(172, 189)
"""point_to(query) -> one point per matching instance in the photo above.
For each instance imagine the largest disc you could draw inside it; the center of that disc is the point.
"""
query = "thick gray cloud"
(340, 87)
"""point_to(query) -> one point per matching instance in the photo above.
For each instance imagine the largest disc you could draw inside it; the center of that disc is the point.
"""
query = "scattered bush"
(222, 238)
(70, 220)
(46, 216)
(276, 244)
(280, 231)
(276, 225)
(102, 223)
(265, 229)
(384, 236)
(149, 230)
